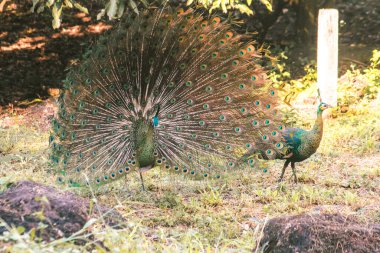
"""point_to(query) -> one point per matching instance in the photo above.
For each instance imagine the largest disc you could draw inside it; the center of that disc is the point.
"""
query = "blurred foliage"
(284, 80)
(115, 8)
(358, 85)
(56, 7)
(354, 86)
(225, 5)
(357, 88)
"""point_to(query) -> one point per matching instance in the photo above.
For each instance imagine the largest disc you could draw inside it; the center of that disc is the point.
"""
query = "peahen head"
(323, 106)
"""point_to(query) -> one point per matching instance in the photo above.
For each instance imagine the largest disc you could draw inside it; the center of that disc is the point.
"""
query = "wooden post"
(328, 55)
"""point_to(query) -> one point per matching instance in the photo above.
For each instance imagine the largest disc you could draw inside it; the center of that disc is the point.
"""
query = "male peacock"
(166, 89)
(299, 144)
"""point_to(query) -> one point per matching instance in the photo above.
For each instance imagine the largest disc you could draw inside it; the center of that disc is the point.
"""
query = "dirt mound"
(320, 233)
(31, 205)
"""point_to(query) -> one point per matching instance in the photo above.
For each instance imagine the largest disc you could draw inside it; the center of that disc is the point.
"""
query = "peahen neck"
(144, 137)
(318, 125)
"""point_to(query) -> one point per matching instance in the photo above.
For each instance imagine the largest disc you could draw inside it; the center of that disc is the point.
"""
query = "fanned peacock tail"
(168, 89)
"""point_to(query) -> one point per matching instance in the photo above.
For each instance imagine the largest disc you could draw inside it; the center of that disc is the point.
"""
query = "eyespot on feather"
(204, 24)
(242, 52)
(229, 35)
(215, 21)
(250, 49)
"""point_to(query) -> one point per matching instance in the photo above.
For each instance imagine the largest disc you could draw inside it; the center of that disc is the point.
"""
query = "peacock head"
(155, 118)
(323, 106)
(155, 121)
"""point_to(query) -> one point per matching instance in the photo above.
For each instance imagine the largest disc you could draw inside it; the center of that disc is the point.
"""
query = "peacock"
(169, 89)
(299, 144)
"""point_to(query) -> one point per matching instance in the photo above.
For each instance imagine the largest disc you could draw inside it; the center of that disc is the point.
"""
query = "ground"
(343, 176)
(176, 214)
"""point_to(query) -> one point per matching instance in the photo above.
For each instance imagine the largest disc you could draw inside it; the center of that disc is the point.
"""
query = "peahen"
(299, 144)
(166, 89)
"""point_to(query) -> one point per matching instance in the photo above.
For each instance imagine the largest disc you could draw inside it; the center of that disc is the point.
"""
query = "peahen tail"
(168, 89)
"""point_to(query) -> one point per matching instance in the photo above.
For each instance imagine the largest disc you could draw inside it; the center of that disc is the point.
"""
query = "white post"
(328, 55)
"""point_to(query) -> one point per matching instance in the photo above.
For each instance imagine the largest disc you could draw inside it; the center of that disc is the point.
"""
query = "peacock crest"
(167, 89)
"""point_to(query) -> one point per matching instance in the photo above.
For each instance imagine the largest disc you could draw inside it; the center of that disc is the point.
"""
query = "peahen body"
(166, 89)
(299, 144)
(302, 144)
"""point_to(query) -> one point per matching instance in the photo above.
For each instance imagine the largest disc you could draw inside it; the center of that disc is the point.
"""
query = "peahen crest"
(166, 89)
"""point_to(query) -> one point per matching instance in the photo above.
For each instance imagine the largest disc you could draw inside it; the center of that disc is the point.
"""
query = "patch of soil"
(320, 233)
(31, 205)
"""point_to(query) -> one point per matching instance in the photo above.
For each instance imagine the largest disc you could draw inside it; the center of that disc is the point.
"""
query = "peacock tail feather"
(166, 88)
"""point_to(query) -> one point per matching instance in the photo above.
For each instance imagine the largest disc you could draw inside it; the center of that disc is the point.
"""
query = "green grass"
(179, 215)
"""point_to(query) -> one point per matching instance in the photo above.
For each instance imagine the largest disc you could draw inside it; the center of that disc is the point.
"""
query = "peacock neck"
(318, 125)
(144, 137)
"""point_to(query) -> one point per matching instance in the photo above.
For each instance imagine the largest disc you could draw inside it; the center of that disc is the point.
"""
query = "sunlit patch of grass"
(22, 140)
(360, 134)
(212, 197)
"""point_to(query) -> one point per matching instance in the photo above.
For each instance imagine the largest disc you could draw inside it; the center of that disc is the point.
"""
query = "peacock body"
(299, 144)
(166, 89)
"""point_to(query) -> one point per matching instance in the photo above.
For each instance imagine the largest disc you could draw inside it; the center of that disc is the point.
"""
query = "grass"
(179, 215)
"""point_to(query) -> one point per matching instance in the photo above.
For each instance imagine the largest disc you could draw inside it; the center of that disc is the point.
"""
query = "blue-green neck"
(318, 125)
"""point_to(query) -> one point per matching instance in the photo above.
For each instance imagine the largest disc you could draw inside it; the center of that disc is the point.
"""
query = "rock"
(30, 205)
(319, 233)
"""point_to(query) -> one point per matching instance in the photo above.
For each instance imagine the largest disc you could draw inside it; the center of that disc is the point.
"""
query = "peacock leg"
(142, 181)
(294, 171)
(283, 170)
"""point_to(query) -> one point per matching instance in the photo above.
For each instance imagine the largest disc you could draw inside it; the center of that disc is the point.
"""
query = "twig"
(2, 4)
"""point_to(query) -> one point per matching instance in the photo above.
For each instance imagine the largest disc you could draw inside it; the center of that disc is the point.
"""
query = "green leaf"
(69, 3)
(145, 3)
(224, 7)
(267, 4)
(49, 3)
(80, 7)
(56, 12)
(215, 5)
(32, 233)
(101, 14)
(189, 2)
(249, 2)
(133, 6)
(20, 229)
(111, 9)
(35, 2)
(120, 9)
(244, 9)
(40, 9)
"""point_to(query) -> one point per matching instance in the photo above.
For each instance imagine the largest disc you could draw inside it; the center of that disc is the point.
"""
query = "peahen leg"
(294, 171)
(286, 164)
(142, 181)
